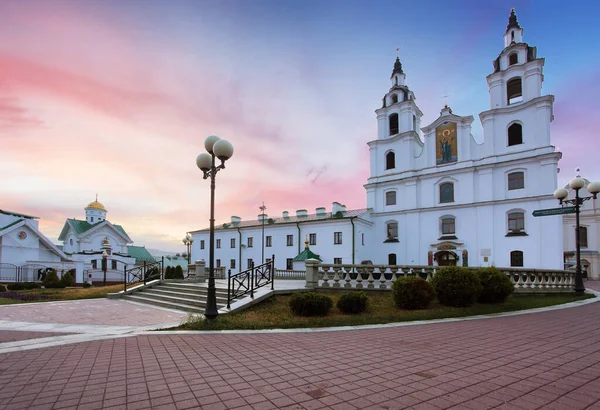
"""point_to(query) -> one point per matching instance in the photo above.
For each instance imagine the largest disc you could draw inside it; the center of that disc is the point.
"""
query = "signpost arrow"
(554, 211)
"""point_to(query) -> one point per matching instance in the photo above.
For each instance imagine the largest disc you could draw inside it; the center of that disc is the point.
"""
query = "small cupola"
(514, 32)
(95, 212)
(398, 77)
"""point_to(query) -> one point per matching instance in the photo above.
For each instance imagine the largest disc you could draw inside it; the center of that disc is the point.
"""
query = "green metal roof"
(11, 224)
(141, 254)
(307, 254)
(4, 211)
(82, 226)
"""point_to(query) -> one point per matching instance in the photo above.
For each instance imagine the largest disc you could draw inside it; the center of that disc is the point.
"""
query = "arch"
(513, 58)
(446, 258)
(514, 90)
(390, 197)
(516, 258)
(393, 123)
(516, 180)
(395, 96)
(391, 231)
(446, 192)
(390, 160)
(515, 134)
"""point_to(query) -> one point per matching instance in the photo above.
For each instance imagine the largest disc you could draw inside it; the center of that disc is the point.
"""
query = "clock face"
(22, 235)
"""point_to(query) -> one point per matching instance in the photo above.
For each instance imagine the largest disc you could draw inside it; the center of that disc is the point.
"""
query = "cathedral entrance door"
(445, 258)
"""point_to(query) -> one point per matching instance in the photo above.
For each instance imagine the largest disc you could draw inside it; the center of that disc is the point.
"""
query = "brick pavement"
(548, 360)
(11, 336)
(91, 312)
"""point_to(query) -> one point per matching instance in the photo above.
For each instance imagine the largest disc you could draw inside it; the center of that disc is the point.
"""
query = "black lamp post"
(104, 265)
(223, 150)
(263, 208)
(187, 241)
(593, 188)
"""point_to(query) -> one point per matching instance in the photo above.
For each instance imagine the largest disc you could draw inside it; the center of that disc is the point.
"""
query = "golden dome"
(96, 205)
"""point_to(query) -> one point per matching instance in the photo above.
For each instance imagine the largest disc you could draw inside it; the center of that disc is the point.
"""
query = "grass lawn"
(50, 295)
(274, 313)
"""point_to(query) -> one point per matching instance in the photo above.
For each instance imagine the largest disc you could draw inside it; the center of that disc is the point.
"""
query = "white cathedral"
(440, 199)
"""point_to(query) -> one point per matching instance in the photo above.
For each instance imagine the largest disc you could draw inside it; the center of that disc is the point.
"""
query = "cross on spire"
(445, 97)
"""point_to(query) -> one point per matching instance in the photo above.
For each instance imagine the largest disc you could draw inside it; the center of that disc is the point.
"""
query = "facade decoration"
(446, 149)
(465, 257)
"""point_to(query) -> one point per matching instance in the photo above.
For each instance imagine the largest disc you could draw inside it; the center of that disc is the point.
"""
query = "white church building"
(435, 195)
(24, 250)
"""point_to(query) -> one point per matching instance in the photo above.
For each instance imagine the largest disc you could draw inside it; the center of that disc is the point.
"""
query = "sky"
(115, 98)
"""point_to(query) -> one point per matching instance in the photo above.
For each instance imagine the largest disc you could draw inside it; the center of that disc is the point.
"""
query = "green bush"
(310, 304)
(31, 285)
(353, 302)
(86, 285)
(169, 272)
(2, 288)
(456, 286)
(16, 286)
(51, 280)
(178, 272)
(67, 279)
(496, 286)
(412, 293)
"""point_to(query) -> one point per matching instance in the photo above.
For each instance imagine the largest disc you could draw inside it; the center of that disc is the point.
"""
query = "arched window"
(447, 192)
(515, 134)
(513, 59)
(390, 160)
(514, 91)
(516, 222)
(394, 98)
(390, 198)
(512, 35)
(392, 259)
(391, 231)
(516, 180)
(516, 258)
(414, 123)
(448, 225)
(393, 120)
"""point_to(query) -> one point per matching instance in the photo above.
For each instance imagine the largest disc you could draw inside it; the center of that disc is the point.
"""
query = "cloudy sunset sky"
(115, 98)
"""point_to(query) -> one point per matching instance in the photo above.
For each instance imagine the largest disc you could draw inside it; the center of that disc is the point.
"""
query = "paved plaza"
(546, 360)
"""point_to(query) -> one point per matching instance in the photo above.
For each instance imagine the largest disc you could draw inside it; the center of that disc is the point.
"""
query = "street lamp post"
(263, 209)
(104, 265)
(187, 240)
(561, 194)
(223, 150)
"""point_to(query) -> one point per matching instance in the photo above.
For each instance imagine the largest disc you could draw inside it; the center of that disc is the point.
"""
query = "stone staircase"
(184, 296)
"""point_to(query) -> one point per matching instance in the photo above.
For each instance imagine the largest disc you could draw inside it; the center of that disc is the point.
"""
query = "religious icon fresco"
(445, 139)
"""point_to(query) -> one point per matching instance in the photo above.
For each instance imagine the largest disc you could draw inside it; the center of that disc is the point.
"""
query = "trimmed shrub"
(456, 286)
(310, 304)
(67, 279)
(496, 286)
(86, 285)
(2, 289)
(353, 302)
(169, 272)
(412, 293)
(31, 285)
(16, 286)
(51, 280)
(178, 272)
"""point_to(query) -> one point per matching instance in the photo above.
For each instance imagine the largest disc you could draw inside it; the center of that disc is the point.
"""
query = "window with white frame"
(232, 263)
(390, 198)
(233, 242)
(337, 261)
(269, 241)
(391, 230)
(290, 240)
(218, 243)
(337, 238)
(516, 223)
(312, 239)
(250, 239)
(448, 225)
(447, 192)
(516, 180)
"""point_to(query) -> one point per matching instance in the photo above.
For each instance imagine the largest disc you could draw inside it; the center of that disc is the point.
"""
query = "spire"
(512, 20)
(397, 67)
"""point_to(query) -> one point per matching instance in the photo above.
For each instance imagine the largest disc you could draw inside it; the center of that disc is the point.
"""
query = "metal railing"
(249, 280)
(144, 273)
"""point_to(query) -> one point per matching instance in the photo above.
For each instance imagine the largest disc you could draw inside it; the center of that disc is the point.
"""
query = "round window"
(22, 235)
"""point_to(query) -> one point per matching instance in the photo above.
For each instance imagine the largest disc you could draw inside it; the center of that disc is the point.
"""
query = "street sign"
(554, 211)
